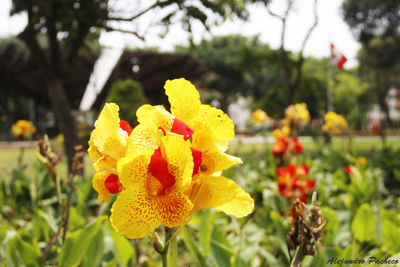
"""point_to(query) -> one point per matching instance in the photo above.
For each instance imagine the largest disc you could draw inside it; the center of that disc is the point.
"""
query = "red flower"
(285, 144)
(291, 182)
(347, 169)
(281, 145)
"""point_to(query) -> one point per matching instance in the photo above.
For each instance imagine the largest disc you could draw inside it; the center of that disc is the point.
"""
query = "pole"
(328, 87)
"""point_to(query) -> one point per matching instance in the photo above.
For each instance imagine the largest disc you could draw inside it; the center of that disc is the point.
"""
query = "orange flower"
(291, 182)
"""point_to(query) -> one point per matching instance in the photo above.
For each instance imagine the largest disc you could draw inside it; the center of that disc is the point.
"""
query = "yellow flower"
(283, 132)
(334, 123)
(23, 128)
(171, 165)
(259, 117)
(107, 144)
(362, 161)
(60, 139)
(298, 112)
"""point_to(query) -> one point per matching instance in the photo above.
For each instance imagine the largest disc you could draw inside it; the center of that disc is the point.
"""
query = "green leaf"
(21, 252)
(194, 250)
(221, 249)
(95, 250)
(205, 230)
(112, 263)
(123, 247)
(391, 235)
(363, 225)
(77, 243)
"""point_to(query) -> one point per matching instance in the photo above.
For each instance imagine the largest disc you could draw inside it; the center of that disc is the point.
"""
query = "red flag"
(337, 58)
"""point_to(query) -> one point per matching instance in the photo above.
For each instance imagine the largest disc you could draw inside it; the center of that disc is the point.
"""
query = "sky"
(331, 28)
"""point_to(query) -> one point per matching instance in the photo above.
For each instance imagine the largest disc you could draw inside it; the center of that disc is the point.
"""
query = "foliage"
(376, 25)
(363, 219)
(129, 95)
(372, 18)
(236, 64)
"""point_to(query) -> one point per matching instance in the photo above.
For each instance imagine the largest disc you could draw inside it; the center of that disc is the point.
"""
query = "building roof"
(20, 74)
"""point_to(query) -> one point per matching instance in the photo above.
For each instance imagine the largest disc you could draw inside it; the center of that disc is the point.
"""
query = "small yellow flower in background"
(60, 139)
(298, 112)
(283, 132)
(259, 117)
(23, 128)
(168, 167)
(362, 161)
(334, 123)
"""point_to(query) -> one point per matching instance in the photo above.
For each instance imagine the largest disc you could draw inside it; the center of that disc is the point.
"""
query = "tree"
(237, 65)
(67, 24)
(292, 76)
(129, 96)
(376, 24)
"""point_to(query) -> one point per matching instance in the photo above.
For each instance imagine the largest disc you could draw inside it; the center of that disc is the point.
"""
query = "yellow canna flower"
(362, 161)
(283, 132)
(107, 144)
(23, 128)
(298, 112)
(334, 123)
(259, 117)
(171, 166)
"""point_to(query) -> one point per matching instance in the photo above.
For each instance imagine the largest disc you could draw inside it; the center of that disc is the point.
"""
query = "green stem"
(171, 248)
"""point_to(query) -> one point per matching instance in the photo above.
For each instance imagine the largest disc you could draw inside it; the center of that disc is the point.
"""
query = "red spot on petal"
(162, 129)
(179, 127)
(113, 184)
(158, 167)
(124, 125)
(197, 159)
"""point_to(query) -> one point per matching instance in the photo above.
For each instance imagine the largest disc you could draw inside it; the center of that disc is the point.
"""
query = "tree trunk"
(62, 110)
(384, 107)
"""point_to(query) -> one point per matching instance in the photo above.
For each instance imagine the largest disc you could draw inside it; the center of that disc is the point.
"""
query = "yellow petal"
(99, 185)
(224, 195)
(174, 208)
(214, 122)
(183, 97)
(133, 170)
(155, 116)
(179, 158)
(143, 138)
(134, 213)
(107, 137)
(101, 161)
(217, 161)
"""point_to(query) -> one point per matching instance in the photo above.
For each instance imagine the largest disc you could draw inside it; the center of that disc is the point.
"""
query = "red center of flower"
(197, 158)
(179, 127)
(113, 184)
(158, 167)
(124, 125)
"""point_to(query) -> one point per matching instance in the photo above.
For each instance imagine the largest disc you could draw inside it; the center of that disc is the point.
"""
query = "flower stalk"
(169, 254)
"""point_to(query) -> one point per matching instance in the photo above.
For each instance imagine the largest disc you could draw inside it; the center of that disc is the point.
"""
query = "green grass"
(358, 147)
(9, 161)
